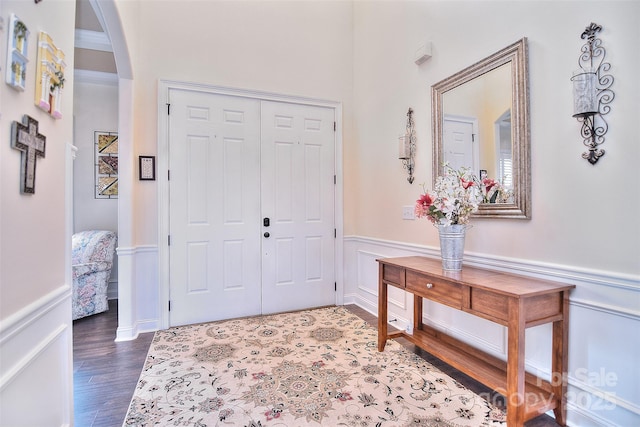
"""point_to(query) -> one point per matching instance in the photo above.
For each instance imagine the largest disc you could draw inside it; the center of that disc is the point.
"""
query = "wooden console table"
(516, 302)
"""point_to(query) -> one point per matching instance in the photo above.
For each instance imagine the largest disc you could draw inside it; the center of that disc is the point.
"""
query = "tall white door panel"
(460, 146)
(298, 158)
(214, 152)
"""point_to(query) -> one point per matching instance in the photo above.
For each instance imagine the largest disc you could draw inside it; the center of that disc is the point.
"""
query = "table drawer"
(489, 304)
(435, 290)
(393, 275)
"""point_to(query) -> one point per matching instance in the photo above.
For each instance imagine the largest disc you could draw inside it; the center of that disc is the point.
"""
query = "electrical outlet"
(408, 213)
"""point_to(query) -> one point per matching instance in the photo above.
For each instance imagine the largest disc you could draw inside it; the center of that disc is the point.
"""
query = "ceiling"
(93, 50)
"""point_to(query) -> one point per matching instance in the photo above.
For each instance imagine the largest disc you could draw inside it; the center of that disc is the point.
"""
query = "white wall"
(95, 108)
(572, 236)
(293, 48)
(361, 54)
(35, 293)
(572, 200)
(302, 49)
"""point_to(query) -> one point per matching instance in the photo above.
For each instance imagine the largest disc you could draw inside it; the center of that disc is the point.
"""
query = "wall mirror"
(481, 121)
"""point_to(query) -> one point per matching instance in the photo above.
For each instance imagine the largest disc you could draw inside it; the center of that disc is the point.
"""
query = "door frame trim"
(164, 89)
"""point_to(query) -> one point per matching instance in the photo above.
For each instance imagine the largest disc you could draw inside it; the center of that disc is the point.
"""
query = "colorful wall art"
(50, 76)
(16, 70)
(106, 165)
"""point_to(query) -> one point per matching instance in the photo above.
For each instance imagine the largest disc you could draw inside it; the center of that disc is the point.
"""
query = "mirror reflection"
(481, 122)
(477, 131)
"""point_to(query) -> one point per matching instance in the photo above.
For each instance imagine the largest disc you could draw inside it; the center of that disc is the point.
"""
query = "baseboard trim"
(126, 334)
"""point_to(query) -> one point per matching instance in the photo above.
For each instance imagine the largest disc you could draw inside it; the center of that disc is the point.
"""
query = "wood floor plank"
(105, 372)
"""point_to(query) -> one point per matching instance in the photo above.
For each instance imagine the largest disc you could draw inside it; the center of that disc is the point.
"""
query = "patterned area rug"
(311, 368)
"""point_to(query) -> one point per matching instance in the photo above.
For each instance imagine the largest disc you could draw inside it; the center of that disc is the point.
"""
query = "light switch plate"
(408, 213)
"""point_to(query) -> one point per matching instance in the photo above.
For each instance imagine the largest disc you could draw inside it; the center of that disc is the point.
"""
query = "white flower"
(455, 197)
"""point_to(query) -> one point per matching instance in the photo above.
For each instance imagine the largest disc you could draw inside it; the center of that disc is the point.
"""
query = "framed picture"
(106, 165)
(50, 76)
(147, 166)
(16, 70)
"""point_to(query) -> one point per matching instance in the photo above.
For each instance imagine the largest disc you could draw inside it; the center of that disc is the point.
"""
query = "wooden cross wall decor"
(25, 137)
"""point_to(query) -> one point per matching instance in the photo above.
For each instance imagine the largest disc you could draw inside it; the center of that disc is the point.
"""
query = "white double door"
(251, 212)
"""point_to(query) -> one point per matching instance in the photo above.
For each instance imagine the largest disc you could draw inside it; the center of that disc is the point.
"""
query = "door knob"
(266, 234)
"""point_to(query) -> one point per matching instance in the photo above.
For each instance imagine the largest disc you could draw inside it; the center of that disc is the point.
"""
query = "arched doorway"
(108, 16)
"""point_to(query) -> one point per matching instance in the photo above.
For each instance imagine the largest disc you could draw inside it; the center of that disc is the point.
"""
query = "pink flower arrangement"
(455, 197)
(494, 192)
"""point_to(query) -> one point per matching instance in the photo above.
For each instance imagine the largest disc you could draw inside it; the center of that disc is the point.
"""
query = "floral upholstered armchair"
(91, 261)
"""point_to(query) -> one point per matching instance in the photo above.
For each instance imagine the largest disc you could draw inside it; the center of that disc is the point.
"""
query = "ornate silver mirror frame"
(519, 205)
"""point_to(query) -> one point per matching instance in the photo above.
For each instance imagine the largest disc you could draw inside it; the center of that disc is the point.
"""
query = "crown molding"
(93, 40)
(95, 77)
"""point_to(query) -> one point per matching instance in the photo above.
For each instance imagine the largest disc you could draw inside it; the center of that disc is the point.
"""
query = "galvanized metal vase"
(452, 245)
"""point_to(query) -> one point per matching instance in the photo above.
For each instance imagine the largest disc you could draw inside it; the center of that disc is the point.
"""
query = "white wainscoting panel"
(368, 283)
(148, 305)
(139, 312)
(489, 336)
(604, 342)
(604, 320)
(36, 369)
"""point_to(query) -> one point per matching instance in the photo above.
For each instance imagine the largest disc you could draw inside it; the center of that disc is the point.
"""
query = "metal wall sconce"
(592, 93)
(407, 146)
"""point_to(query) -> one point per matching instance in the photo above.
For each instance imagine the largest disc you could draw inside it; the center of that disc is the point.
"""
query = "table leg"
(559, 362)
(382, 310)
(516, 399)
(417, 312)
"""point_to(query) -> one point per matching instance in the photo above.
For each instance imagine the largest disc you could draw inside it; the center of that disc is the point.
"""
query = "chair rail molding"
(602, 300)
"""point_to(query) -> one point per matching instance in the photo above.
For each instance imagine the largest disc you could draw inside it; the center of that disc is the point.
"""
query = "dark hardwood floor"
(105, 373)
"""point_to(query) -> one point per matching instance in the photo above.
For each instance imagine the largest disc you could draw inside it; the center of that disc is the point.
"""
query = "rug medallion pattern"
(311, 368)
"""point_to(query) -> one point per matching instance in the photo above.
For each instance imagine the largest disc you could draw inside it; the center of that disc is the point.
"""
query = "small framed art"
(16, 71)
(50, 76)
(106, 165)
(147, 168)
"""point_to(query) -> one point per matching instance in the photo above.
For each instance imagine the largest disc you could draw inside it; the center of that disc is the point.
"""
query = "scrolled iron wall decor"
(592, 93)
(407, 146)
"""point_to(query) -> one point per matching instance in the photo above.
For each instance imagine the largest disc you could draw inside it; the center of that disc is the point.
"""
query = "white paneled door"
(298, 157)
(214, 207)
(460, 144)
(234, 162)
